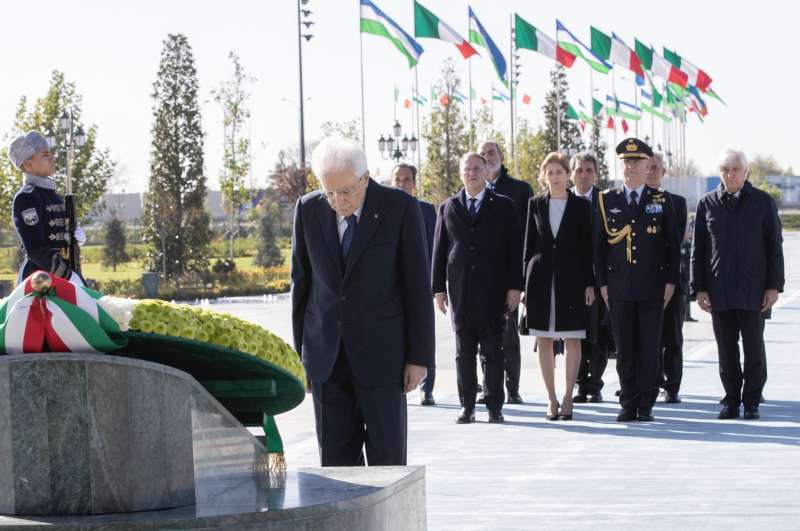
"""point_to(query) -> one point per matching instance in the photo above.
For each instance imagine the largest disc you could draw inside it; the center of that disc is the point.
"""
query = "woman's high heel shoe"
(554, 416)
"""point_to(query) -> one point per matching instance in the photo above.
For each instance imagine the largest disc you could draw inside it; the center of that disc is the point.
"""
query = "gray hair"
(337, 154)
(583, 156)
(496, 146)
(660, 156)
(468, 155)
(728, 153)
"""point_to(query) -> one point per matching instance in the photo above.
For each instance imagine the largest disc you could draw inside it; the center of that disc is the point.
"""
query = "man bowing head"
(361, 309)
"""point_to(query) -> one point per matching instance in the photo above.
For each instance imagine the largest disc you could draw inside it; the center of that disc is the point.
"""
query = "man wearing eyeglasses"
(361, 309)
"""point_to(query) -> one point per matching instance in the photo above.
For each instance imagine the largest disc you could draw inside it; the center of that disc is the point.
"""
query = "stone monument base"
(84, 434)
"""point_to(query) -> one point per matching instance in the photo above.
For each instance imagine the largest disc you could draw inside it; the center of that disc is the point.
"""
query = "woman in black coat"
(559, 279)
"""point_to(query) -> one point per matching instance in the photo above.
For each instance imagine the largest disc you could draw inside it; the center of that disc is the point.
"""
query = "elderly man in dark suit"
(675, 312)
(404, 176)
(637, 260)
(361, 308)
(594, 349)
(737, 273)
(477, 261)
(500, 182)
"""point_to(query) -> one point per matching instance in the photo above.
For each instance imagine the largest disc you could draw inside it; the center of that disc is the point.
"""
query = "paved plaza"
(686, 470)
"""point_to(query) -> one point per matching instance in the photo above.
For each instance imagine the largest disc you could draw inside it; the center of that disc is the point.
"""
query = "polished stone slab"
(90, 434)
(319, 499)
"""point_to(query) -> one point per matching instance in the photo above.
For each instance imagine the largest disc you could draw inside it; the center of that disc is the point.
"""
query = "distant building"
(129, 207)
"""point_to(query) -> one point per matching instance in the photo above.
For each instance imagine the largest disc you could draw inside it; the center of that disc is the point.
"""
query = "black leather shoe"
(467, 416)
(645, 415)
(626, 415)
(751, 413)
(728, 412)
(672, 398)
(427, 400)
(514, 399)
(496, 417)
(596, 398)
(580, 398)
(481, 399)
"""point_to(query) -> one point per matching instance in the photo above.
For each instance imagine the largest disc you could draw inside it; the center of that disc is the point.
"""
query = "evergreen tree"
(447, 139)
(598, 148)
(92, 167)
(483, 129)
(114, 250)
(531, 151)
(176, 225)
(269, 254)
(555, 104)
(233, 95)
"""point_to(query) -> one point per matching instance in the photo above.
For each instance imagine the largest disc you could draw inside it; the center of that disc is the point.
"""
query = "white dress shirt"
(341, 223)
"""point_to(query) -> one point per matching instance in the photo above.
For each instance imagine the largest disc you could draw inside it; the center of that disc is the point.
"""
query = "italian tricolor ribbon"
(61, 318)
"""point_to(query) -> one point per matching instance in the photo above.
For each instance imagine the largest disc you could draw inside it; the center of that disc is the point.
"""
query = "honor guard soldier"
(39, 212)
(637, 260)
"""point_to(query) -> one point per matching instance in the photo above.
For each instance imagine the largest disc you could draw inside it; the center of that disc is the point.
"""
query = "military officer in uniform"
(637, 259)
(39, 212)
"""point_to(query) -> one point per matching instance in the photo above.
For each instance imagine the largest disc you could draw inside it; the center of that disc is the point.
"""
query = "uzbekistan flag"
(567, 40)
(479, 36)
(375, 22)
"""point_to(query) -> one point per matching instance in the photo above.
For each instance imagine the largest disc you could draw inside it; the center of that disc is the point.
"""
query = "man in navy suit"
(404, 176)
(500, 182)
(361, 308)
(477, 262)
(674, 313)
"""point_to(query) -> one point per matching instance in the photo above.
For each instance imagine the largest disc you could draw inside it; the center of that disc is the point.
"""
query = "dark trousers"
(511, 356)
(350, 416)
(427, 384)
(490, 341)
(672, 343)
(728, 325)
(636, 326)
(594, 358)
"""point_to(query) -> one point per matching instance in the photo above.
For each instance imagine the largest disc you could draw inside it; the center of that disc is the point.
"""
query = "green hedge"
(790, 220)
(198, 286)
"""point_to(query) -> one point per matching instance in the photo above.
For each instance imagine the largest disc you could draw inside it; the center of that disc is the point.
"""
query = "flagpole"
(558, 115)
(416, 111)
(361, 55)
(395, 102)
(511, 84)
(614, 92)
(636, 102)
(469, 78)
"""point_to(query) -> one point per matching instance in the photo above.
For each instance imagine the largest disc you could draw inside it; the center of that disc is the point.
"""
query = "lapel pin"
(376, 216)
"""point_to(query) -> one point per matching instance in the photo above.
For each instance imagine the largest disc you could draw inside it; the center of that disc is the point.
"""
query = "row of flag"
(684, 84)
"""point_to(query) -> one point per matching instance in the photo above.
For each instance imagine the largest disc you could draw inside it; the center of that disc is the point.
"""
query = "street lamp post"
(396, 148)
(302, 20)
(73, 138)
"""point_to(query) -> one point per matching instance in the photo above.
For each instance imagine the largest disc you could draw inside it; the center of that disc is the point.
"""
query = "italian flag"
(428, 25)
(376, 22)
(614, 50)
(527, 37)
(66, 318)
(697, 76)
(659, 66)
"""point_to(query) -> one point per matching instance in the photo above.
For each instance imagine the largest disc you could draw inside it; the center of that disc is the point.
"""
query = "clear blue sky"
(111, 50)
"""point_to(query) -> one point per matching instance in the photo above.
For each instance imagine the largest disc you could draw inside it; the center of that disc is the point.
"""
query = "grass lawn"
(134, 270)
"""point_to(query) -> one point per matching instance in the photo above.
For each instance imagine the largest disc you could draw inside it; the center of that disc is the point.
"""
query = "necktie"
(472, 210)
(634, 195)
(349, 233)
